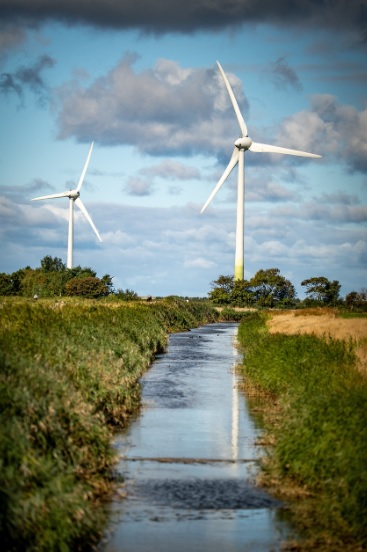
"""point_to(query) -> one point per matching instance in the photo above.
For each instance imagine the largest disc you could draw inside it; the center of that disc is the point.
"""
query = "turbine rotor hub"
(74, 194)
(243, 143)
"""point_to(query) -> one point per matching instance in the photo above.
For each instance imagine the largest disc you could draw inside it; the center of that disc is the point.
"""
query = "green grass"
(69, 374)
(320, 427)
(344, 314)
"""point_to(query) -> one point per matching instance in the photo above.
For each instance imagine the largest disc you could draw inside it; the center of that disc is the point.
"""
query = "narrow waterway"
(190, 458)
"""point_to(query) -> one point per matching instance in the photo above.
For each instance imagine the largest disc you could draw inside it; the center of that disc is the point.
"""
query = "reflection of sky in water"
(192, 404)
(192, 409)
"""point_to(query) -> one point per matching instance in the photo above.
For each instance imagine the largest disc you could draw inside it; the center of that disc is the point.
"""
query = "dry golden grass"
(323, 323)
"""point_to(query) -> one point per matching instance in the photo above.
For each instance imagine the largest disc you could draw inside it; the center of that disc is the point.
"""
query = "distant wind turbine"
(74, 198)
(238, 156)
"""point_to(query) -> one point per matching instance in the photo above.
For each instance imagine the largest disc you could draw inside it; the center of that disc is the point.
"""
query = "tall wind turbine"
(243, 144)
(74, 198)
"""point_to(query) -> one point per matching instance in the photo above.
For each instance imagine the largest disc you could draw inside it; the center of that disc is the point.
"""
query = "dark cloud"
(11, 36)
(27, 78)
(20, 193)
(283, 75)
(162, 16)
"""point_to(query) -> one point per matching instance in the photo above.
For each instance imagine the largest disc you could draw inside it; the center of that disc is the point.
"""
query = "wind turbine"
(243, 144)
(74, 198)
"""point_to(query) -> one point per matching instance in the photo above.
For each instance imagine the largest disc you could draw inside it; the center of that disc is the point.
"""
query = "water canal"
(190, 458)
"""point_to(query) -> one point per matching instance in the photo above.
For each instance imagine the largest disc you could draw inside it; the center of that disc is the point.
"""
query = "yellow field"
(323, 323)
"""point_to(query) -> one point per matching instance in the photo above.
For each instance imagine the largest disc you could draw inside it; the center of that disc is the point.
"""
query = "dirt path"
(330, 325)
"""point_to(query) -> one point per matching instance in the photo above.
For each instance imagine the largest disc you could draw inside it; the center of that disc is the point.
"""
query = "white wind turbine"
(74, 198)
(238, 156)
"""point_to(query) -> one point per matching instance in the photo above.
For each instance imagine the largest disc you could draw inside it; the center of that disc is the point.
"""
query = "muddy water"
(190, 458)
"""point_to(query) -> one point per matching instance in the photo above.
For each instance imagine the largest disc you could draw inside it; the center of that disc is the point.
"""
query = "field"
(304, 373)
(324, 322)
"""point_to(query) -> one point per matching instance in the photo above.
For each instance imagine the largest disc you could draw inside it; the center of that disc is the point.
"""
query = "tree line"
(53, 279)
(268, 288)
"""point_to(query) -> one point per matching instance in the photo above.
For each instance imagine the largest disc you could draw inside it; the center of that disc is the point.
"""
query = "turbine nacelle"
(74, 194)
(243, 143)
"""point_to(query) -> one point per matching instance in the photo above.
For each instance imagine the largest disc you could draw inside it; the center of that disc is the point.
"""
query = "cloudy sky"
(140, 80)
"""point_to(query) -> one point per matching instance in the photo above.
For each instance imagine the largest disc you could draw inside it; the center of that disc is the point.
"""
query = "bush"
(127, 295)
(89, 287)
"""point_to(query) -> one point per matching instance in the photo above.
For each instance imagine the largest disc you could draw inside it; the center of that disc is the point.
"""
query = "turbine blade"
(85, 168)
(52, 196)
(266, 148)
(79, 203)
(231, 165)
(240, 119)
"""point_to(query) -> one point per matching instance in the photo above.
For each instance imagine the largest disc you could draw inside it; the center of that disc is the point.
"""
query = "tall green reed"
(69, 372)
(321, 426)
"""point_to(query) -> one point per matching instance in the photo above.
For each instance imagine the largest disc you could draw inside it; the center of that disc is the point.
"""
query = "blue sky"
(143, 84)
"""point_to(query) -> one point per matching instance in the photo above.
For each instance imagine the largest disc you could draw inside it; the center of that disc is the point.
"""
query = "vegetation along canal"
(189, 459)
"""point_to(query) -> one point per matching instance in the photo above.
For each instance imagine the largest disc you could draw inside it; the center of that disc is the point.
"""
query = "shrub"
(89, 287)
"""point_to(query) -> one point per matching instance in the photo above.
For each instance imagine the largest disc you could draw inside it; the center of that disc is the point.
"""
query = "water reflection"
(190, 458)
(235, 417)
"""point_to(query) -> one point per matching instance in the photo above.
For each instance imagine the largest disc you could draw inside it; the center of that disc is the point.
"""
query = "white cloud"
(330, 129)
(199, 262)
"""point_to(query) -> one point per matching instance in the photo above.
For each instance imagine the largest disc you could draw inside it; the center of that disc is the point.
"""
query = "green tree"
(6, 286)
(271, 289)
(222, 289)
(320, 290)
(44, 284)
(17, 280)
(89, 287)
(357, 300)
(107, 280)
(242, 294)
(52, 264)
(79, 272)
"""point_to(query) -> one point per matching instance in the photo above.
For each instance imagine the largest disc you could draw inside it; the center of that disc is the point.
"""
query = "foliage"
(271, 288)
(267, 288)
(86, 287)
(222, 289)
(127, 295)
(11, 284)
(242, 294)
(43, 284)
(81, 272)
(320, 429)
(107, 281)
(52, 279)
(67, 369)
(321, 290)
(357, 300)
(52, 264)
(6, 285)
(229, 314)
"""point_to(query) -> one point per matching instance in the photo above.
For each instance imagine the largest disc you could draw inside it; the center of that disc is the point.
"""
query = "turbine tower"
(243, 144)
(74, 198)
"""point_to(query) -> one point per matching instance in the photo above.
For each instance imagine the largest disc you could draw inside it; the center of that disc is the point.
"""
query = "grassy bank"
(315, 418)
(69, 374)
